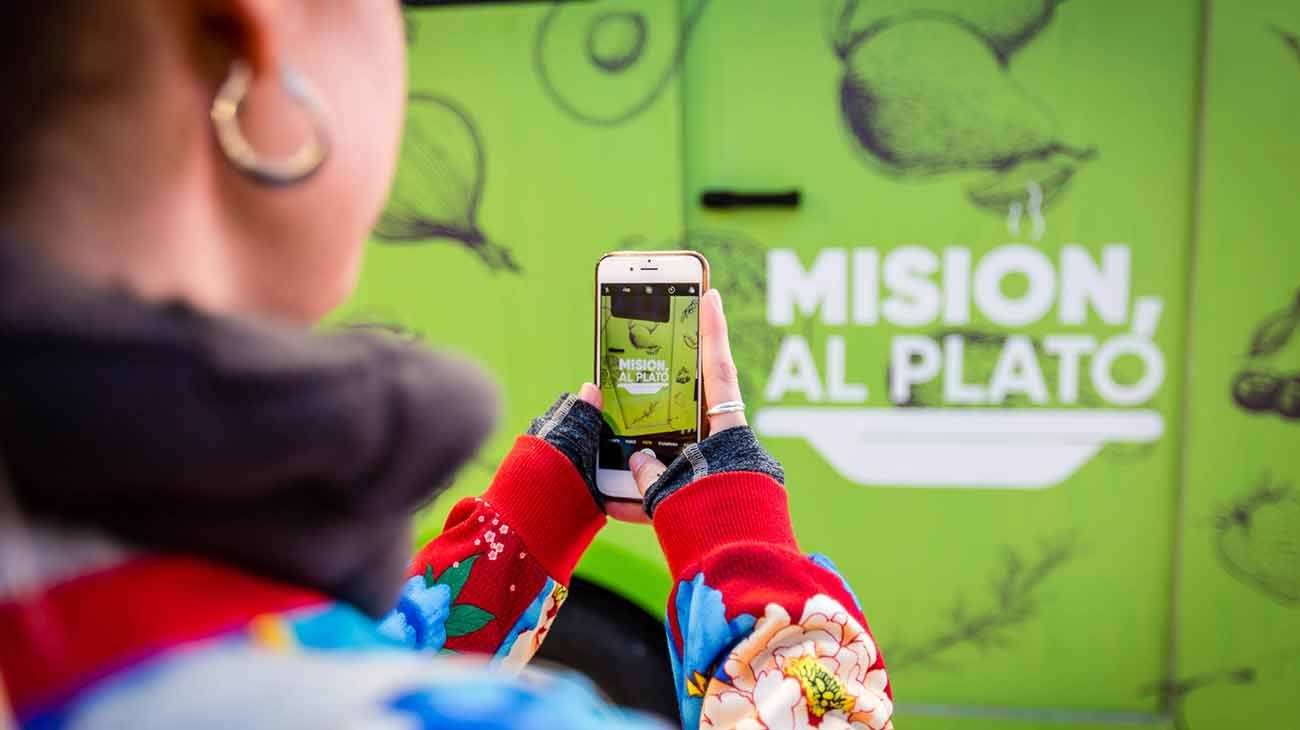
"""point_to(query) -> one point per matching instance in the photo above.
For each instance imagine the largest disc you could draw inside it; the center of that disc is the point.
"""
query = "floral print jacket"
(761, 636)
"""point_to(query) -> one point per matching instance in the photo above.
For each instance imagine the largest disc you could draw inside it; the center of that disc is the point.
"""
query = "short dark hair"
(34, 33)
(43, 72)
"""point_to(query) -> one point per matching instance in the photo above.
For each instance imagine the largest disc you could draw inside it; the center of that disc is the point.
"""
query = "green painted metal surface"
(1027, 348)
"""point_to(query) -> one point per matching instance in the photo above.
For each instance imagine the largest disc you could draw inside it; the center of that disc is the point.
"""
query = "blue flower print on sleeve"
(420, 619)
(529, 620)
(821, 561)
(706, 637)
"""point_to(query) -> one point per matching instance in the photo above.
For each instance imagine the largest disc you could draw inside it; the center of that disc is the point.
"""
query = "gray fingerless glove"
(734, 449)
(572, 425)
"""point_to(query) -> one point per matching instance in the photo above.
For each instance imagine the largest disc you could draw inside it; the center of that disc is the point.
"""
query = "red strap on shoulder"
(56, 641)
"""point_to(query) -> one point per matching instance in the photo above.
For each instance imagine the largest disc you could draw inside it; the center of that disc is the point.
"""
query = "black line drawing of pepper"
(605, 67)
(439, 183)
(927, 90)
(1257, 540)
(1016, 597)
(1263, 385)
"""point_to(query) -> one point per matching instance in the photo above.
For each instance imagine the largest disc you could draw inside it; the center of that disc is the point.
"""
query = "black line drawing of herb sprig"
(649, 411)
(1015, 593)
(1173, 693)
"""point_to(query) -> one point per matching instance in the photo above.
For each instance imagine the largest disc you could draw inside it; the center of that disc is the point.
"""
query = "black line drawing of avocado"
(1015, 597)
(1257, 540)
(604, 67)
(1264, 384)
(927, 90)
(439, 183)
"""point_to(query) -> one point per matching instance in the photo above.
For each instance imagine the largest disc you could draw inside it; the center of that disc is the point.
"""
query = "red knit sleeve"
(756, 628)
(505, 559)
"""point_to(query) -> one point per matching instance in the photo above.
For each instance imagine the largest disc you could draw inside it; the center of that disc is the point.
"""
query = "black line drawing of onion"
(916, 114)
(439, 183)
(603, 67)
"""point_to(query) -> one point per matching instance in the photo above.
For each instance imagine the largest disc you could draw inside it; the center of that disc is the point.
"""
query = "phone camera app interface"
(650, 338)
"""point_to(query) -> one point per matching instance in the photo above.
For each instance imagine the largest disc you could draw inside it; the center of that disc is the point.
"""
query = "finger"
(721, 381)
(646, 468)
(626, 511)
(590, 394)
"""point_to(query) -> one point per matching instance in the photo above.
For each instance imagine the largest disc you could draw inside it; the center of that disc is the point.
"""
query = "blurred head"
(110, 164)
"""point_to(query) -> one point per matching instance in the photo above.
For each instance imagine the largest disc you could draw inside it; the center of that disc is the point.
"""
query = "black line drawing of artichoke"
(980, 353)
(604, 67)
(1265, 385)
(1257, 540)
(439, 183)
(1015, 598)
(927, 90)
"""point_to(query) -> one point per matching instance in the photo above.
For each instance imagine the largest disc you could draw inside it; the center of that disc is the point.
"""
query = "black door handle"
(723, 199)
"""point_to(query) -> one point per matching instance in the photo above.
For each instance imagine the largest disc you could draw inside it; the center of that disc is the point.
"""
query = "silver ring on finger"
(730, 406)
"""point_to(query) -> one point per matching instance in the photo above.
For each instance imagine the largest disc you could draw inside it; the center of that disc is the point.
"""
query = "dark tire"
(620, 647)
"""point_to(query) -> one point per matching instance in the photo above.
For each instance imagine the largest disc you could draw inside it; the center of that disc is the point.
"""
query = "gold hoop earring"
(240, 153)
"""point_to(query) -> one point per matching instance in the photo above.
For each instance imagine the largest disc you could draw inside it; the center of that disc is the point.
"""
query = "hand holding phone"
(719, 380)
(647, 360)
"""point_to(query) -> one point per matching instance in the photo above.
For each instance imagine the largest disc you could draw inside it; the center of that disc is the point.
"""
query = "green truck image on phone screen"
(649, 356)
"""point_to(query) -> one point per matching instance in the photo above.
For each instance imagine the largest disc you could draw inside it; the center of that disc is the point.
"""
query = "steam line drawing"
(1264, 385)
(604, 67)
(439, 183)
(1257, 540)
(927, 90)
(1016, 595)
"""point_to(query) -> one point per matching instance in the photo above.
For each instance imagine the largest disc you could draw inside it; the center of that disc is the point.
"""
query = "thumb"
(646, 468)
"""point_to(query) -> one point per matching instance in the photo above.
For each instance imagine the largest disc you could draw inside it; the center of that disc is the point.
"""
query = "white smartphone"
(647, 359)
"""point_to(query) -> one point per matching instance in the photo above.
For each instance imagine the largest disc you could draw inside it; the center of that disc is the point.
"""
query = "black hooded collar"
(297, 455)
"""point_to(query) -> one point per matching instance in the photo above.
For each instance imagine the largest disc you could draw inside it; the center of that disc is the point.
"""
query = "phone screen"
(649, 357)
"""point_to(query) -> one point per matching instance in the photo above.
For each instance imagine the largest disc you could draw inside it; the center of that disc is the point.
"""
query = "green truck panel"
(1026, 347)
